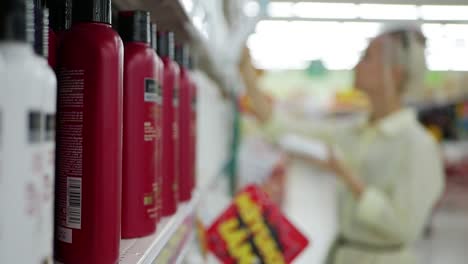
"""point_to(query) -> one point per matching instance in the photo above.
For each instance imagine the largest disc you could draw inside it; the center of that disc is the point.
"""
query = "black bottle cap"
(165, 43)
(182, 55)
(154, 37)
(41, 31)
(134, 26)
(41, 28)
(98, 11)
(60, 14)
(17, 20)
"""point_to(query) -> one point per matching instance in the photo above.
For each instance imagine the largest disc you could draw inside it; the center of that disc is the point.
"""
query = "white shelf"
(183, 253)
(168, 243)
(414, 2)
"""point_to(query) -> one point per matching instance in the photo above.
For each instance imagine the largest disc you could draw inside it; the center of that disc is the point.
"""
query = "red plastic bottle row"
(125, 129)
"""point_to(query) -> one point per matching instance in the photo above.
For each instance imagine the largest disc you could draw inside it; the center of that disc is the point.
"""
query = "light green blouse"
(401, 166)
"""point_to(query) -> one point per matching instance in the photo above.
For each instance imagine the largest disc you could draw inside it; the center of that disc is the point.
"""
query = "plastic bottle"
(49, 101)
(25, 202)
(158, 78)
(89, 138)
(193, 131)
(184, 123)
(59, 22)
(169, 134)
(139, 127)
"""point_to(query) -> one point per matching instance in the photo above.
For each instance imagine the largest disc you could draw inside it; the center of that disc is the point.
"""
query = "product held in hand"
(253, 230)
(304, 147)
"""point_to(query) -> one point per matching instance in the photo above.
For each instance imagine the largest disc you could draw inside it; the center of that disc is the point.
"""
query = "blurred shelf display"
(216, 31)
(437, 103)
(169, 15)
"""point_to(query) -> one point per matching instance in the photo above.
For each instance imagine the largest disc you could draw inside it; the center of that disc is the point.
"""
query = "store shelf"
(185, 251)
(171, 242)
(168, 244)
(414, 2)
(168, 14)
(437, 103)
(171, 15)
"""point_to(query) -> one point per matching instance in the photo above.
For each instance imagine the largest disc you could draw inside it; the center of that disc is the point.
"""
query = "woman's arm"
(336, 166)
(400, 212)
(261, 106)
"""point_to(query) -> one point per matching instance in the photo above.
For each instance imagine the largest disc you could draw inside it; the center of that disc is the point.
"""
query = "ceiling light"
(457, 31)
(433, 30)
(364, 29)
(390, 12)
(251, 8)
(280, 64)
(325, 10)
(266, 26)
(440, 12)
(280, 9)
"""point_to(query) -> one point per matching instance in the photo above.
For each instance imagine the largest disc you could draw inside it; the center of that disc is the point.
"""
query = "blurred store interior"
(254, 96)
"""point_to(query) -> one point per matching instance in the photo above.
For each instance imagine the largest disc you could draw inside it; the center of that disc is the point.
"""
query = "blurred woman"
(389, 167)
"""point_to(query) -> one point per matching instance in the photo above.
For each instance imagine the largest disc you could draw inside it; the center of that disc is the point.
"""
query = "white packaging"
(26, 214)
(305, 147)
(257, 161)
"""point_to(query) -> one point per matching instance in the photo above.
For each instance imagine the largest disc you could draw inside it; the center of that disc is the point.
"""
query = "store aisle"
(310, 204)
(448, 242)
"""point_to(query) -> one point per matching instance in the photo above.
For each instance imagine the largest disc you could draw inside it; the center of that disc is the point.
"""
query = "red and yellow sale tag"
(253, 230)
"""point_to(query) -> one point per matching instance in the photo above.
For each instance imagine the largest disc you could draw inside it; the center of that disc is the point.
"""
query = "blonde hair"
(407, 49)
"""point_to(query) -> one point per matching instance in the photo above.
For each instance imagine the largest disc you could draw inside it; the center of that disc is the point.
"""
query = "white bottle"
(49, 101)
(2, 125)
(24, 82)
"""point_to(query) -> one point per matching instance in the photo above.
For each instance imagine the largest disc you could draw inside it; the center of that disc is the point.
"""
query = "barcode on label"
(74, 202)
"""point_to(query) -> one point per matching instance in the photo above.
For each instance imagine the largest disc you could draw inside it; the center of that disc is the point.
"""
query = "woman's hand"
(334, 165)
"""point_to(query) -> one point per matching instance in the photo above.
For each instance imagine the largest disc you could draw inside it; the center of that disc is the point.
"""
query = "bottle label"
(153, 91)
(153, 102)
(70, 138)
(155, 211)
(74, 202)
(64, 234)
(50, 127)
(34, 123)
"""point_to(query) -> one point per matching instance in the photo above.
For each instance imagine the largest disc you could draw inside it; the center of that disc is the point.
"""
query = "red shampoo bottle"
(169, 132)
(185, 85)
(89, 140)
(193, 133)
(139, 130)
(158, 78)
